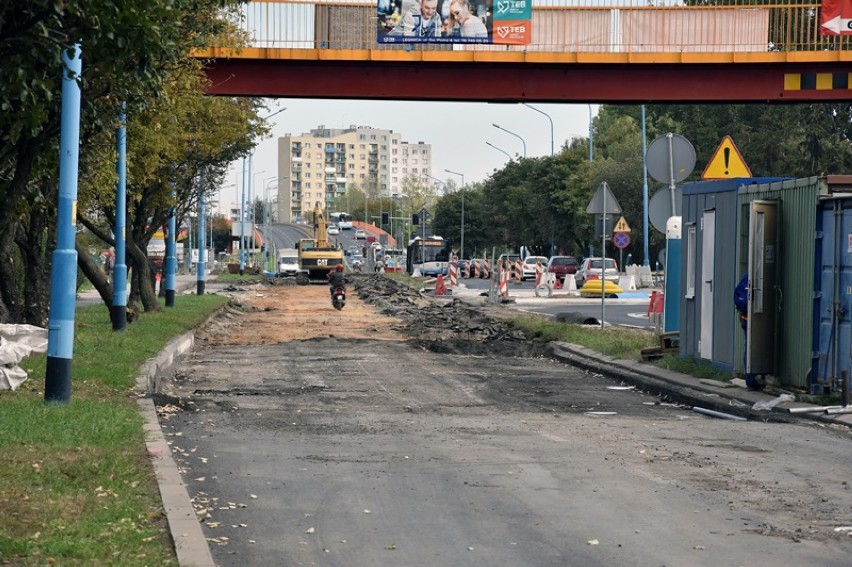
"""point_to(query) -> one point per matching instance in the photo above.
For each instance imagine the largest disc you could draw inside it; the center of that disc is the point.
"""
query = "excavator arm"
(320, 227)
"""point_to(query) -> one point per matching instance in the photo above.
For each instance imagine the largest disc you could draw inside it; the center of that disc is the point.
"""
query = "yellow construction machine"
(317, 255)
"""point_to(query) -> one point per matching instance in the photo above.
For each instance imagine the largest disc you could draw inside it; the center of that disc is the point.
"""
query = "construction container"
(832, 317)
(794, 204)
(709, 324)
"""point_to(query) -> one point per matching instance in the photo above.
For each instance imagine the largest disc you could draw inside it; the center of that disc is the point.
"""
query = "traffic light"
(415, 219)
(385, 218)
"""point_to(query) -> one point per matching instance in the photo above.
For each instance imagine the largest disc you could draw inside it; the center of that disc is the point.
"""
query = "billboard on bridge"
(499, 22)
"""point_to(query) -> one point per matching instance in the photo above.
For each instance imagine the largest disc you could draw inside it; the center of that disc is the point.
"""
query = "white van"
(288, 262)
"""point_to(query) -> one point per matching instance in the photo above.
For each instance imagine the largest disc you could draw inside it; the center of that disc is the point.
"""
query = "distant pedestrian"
(741, 304)
(420, 20)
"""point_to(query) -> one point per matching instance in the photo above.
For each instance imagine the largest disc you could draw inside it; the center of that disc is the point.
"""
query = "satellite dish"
(660, 207)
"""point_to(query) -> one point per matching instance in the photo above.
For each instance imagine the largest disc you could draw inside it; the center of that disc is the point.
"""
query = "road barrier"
(440, 286)
(454, 280)
(503, 288)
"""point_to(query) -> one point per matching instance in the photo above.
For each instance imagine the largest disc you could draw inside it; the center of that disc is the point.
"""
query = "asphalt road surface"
(313, 437)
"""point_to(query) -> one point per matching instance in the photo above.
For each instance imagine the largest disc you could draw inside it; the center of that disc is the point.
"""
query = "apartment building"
(321, 164)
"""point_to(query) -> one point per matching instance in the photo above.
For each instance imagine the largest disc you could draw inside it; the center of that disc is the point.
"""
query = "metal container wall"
(833, 309)
(798, 200)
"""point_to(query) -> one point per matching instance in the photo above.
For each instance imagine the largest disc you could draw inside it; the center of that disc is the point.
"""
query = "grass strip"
(76, 483)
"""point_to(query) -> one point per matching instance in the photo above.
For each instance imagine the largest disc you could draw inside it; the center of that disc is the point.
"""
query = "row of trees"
(537, 202)
(179, 142)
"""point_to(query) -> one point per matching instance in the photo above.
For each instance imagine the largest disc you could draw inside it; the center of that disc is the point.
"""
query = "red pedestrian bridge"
(605, 51)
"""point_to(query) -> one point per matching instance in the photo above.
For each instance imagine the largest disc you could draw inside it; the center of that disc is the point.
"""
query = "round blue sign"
(621, 240)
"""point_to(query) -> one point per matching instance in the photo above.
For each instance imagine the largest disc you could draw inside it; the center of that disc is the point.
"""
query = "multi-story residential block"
(323, 163)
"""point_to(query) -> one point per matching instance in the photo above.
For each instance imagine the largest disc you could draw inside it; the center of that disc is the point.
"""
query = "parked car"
(360, 234)
(562, 266)
(591, 266)
(528, 267)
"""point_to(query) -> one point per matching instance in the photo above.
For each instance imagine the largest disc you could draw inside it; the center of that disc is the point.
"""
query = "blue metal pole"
(119, 271)
(646, 261)
(202, 237)
(63, 274)
(243, 221)
(171, 256)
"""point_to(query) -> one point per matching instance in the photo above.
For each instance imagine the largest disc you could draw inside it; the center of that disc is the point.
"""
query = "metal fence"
(581, 27)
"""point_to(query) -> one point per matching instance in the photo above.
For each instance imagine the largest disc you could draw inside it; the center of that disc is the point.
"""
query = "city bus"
(430, 255)
(342, 220)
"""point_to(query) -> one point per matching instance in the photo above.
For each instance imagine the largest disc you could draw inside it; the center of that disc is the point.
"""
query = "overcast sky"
(458, 132)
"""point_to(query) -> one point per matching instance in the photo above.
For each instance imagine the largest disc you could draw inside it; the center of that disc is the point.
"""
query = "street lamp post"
(251, 210)
(591, 139)
(515, 135)
(461, 244)
(552, 220)
(508, 155)
(243, 200)
(266, 215)
(531, 107)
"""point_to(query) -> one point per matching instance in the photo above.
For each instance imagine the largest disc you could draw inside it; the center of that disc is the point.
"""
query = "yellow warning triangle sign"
(621, 226)
(727, 162)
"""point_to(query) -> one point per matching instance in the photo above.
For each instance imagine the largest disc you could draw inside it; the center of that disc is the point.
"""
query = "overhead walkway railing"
(567, 31)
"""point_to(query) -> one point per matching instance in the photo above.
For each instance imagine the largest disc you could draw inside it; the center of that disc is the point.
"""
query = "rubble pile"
(445, 324)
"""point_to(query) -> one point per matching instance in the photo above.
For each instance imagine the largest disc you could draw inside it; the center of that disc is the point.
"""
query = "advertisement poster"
(499, 22)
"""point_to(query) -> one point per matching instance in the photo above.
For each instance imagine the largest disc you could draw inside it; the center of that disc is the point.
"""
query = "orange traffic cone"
(558, 284)
(440, 288)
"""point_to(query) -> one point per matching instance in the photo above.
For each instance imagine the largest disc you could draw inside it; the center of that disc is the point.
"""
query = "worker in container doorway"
(741, 303)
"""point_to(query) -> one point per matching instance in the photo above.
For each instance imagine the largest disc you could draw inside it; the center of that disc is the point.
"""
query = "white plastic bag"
(766, 406)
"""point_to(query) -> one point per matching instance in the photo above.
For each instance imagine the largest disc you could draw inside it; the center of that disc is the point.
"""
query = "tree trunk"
(142, 288)
(36, 243)
(96, 276)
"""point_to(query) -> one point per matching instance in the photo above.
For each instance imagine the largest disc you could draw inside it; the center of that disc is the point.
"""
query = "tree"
(182, 145)
(127, 50)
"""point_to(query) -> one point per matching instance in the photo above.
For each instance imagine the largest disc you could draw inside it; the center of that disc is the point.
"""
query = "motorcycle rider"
(336, 279)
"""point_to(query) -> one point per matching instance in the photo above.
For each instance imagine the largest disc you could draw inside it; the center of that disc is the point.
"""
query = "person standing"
(741, 304)
(421, 20)
(462, 22)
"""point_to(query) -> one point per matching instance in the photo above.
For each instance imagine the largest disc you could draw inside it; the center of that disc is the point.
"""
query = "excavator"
(317, 256)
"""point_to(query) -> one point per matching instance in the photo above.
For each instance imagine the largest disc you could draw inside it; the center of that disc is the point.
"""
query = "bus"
(430, 255)
(342, 220)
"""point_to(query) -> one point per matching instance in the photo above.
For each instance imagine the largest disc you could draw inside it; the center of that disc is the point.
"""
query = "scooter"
(338, 297)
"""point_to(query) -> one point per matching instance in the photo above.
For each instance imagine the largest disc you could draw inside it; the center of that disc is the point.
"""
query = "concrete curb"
(150, 379)
(688, 390)
(189, 541)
